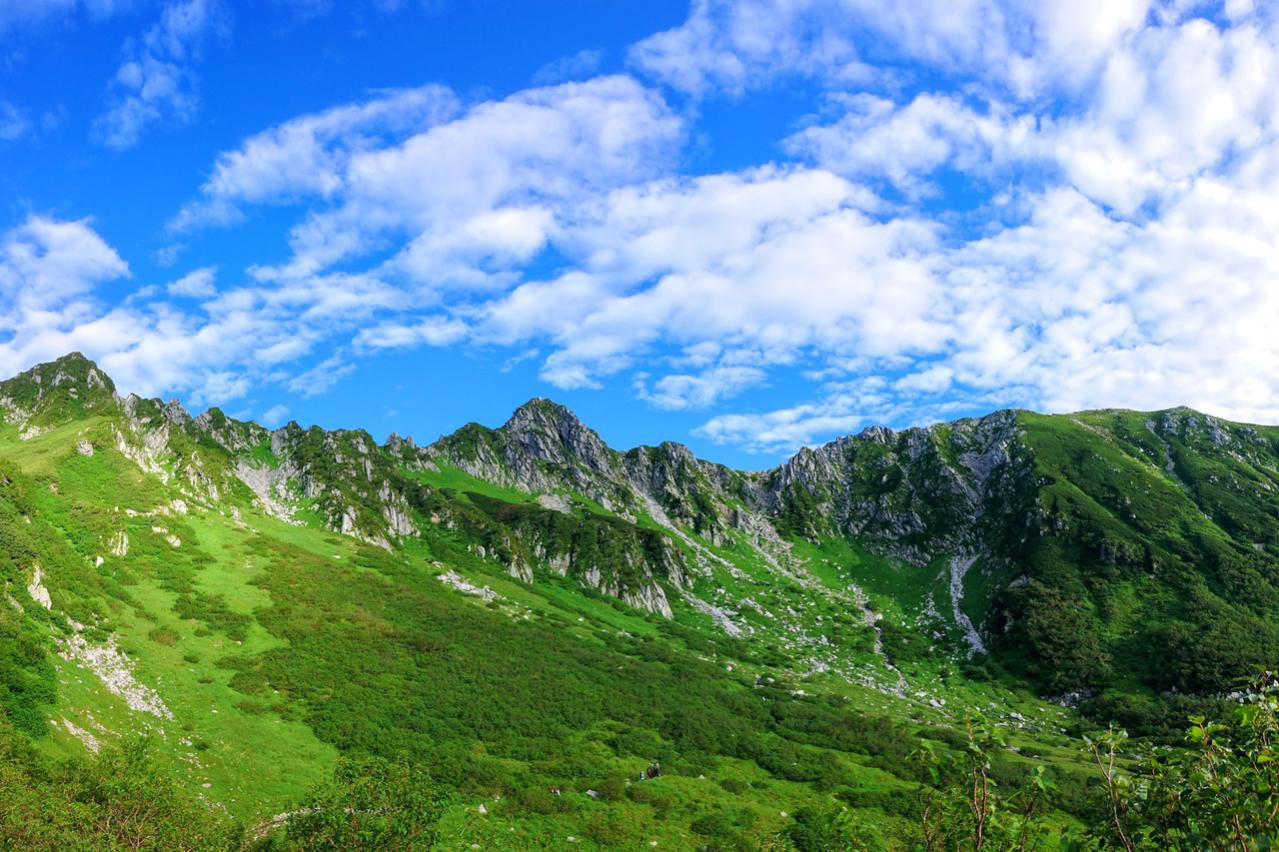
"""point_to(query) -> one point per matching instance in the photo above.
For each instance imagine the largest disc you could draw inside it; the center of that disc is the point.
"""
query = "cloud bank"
(1056, 208)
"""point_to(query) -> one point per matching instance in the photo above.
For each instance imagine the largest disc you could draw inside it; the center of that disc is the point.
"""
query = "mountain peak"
(71, 359)
(73, 369)
(539, 407)
(553, 432)
(54, 390)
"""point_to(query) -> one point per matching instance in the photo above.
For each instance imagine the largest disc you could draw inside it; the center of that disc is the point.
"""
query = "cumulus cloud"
(737, 45)
(904, 145)
(466, 195)
(991, 204)
(156, 82)
(55, 278)
(778, 260)
(197, 284)
(431, 331)
(522, 156)
(785, 429)
(308, 156)
(46, 264)
(699, 390)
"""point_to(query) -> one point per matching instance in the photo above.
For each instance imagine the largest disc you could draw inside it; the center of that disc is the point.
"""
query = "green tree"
(962, 806)
(371, 803)
(1221, 793)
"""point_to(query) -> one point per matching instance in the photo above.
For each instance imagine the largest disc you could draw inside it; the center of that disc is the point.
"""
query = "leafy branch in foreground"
(1221, 793)
(963, 806)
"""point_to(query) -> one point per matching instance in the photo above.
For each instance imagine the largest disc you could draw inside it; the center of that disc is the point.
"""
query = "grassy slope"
(1158, 567)
(277, 645)
(252, 763)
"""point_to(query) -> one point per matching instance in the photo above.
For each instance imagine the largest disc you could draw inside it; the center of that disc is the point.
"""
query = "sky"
(745, 225)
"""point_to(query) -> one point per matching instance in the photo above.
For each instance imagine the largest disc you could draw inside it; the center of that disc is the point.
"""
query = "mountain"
(534, 616)
(1075, 549)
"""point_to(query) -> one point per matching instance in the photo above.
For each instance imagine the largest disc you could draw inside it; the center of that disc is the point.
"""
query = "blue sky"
(747, 225)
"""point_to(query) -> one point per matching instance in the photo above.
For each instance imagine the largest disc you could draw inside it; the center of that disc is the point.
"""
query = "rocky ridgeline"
(976, 495)
(912, 494)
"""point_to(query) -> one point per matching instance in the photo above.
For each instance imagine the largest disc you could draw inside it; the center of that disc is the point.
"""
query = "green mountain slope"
(534, 617)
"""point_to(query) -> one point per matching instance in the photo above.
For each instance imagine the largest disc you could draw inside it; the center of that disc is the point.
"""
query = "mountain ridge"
(981, 495)
(259, 601)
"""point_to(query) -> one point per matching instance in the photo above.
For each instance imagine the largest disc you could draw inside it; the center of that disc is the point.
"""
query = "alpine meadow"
(709, 425)
(222, 636)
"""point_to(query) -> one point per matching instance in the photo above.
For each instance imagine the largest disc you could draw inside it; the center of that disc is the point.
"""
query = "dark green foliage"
(213, 611)
(1060, 636)
(118, 800)
(902, 645)
(26, 676)
(372, 804)
(831, 831)
(1148, 565)
(1221, 793)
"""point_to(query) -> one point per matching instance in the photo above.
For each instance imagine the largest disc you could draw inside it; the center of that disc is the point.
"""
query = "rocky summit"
(526, 621)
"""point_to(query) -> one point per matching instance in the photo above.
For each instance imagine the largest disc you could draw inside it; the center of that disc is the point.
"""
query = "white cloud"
(309, 156)
(13, 122)
(432, 331)
(49, 270)
(535, 148)
(45, 264)
(782, 430)
(584, 63)
(35, 13)
(738, 45)
(156, 83)
(1023, 50)
(322, 377)
(877, 140)
(275, 415)
(467, 198)
(51, 275)
(680, 390)
(197, 284)
(773, 260)
(1077, 310)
